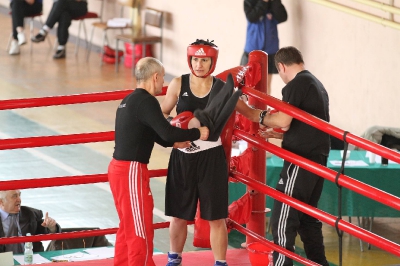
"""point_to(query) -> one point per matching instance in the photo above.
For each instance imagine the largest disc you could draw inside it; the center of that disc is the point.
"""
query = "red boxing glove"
(279, 130)
(182, 120)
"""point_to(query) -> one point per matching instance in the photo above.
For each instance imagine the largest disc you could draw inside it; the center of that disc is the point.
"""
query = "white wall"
(356, 60)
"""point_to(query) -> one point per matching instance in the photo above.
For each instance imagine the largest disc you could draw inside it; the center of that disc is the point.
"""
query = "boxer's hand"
(182, 120)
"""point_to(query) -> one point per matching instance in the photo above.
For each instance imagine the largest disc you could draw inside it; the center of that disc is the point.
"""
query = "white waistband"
(201, 145)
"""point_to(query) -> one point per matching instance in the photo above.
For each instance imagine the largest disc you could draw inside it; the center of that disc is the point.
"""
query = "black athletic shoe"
(38, 38)
(59, 54)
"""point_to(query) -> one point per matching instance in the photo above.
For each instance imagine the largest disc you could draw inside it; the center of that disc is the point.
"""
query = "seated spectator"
(19, 10)
(62, 11)
(27, 220)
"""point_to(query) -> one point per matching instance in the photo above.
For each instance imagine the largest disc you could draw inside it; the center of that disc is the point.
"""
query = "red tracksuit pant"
(130, 186)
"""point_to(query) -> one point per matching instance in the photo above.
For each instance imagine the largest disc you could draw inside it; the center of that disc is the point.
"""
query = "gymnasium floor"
(38, 75)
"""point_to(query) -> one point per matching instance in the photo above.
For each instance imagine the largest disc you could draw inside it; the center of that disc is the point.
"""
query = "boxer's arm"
(171, 97)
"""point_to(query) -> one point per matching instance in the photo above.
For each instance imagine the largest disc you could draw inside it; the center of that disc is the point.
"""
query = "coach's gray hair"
(146, 67)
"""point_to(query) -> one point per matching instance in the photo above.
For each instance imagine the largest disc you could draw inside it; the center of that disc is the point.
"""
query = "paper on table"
(349, 163)
(77, 256)
(377, 157)
(37, 259)
(102, 253)
(119, 22)
(127, 20)
(6, 258)
(116, 24)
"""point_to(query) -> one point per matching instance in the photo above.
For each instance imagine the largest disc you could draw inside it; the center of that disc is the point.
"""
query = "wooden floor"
(38, 75)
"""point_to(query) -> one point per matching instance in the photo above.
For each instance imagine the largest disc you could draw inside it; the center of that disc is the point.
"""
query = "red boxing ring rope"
(65, 180)
(323, 126)
(245, 231)
(68, 99)
(84, 233)
(58, 236)
(31, 142)
(325, 172)
(321, 215)
(63, 100)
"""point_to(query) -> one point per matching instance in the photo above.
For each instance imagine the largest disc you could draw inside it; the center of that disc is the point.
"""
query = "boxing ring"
(253, 84)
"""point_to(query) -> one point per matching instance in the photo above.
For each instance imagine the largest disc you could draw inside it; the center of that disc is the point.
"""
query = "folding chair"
(105, 26)
(81, 19)
(153, 18)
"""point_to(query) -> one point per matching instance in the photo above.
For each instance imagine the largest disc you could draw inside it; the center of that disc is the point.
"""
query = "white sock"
(44, 30)
(173, 252)
(61, 47)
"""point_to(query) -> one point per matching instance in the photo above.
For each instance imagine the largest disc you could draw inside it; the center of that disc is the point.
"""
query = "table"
(49, 254)
(386, 178)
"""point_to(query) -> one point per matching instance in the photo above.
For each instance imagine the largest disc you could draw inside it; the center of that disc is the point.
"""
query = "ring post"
(258, 164)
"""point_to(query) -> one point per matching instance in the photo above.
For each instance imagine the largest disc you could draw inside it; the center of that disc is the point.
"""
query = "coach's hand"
(204, 132)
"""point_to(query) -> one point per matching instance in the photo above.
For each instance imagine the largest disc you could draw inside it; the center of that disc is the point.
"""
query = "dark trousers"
(63, 11)
(21, 9)
(271, 62)
(287, 222)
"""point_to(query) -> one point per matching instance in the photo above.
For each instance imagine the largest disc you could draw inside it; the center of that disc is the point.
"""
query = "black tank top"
(187, 101)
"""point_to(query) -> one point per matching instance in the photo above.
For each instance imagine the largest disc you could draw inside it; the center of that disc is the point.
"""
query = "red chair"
(31, 18)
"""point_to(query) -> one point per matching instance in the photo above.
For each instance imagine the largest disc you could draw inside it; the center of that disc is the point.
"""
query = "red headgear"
(202, 50)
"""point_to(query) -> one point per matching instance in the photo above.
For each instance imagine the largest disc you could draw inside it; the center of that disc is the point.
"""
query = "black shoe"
(59, 54)
(38, 38)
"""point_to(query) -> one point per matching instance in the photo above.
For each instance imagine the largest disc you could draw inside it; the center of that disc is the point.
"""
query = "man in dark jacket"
(30, 220)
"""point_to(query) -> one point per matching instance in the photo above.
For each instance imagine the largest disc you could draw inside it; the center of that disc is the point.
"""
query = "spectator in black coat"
(30, 220)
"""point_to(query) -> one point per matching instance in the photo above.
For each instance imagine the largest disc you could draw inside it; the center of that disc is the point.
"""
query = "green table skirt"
(386, 178)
